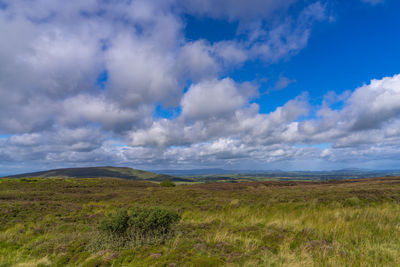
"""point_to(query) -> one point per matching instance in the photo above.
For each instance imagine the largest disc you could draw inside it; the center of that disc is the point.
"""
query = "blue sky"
(361, 44)
(265, 84)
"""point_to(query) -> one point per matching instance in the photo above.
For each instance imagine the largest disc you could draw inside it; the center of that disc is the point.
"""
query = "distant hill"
(208, 175)
(196, 172)
(97, 172)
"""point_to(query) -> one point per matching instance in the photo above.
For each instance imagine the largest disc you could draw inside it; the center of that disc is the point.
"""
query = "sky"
(172, 84)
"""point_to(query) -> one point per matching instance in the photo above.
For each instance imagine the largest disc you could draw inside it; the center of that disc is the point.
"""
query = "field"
(55, 222)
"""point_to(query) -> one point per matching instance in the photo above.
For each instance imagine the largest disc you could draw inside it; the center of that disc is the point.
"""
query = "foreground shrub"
(152, 220)
(167, 183)
(136, 226)
(115, 223)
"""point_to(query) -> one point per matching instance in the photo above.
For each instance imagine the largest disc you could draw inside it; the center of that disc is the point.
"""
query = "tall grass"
(301, 235)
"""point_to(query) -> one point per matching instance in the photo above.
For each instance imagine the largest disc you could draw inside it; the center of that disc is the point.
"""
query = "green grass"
(55, 222)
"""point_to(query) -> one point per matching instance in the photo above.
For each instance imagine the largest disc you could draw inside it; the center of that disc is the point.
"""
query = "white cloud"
(52, 52)
(210, 99)
(244, 132)
(25, 139)
(375, 103)
(140, 72)
(232, 53)
(283, 82)
(86, 109)
(197, 61)
(287, 37)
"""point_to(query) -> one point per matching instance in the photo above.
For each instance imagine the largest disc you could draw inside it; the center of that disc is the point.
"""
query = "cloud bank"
(117, 82)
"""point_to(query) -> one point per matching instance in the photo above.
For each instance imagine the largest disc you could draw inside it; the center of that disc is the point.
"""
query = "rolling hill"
(97, 172)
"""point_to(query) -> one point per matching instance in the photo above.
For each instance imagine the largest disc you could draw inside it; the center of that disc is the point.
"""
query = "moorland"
(57, 222)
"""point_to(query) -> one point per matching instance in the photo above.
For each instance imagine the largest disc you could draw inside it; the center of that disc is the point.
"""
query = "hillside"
(56, 222)
(100, 172)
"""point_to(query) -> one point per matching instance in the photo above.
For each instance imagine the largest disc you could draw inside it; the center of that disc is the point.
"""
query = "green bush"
(353, 202)
(152, 220)
(115, 223)
(138, 225)
(167, 183)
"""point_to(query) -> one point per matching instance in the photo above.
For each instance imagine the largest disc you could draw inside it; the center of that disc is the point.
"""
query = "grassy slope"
(52, 222)
(96, 172)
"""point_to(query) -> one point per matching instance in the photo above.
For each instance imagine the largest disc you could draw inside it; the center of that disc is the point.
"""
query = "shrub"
(152, 220)
(115, 223)
(353, 201)
(167, 183)
(136, 226)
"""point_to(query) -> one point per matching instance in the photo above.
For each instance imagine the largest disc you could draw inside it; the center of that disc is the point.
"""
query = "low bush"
(115, 223)
(152, 220)
(138, 225)
(167, 183)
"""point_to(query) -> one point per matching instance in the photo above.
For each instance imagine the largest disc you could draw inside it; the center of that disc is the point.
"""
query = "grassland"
(54, 222)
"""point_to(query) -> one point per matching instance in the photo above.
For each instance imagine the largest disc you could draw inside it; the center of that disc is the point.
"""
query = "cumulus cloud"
(85, 109)
(54, 111)
(25, 139)
(367, 122)
(211, 99)
(197, 62)
(371, 107)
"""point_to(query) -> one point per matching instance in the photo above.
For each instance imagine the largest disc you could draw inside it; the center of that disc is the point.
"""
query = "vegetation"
(167, 183)
(278, 175)
(139, 225)
(63, 222)
(101, 172)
